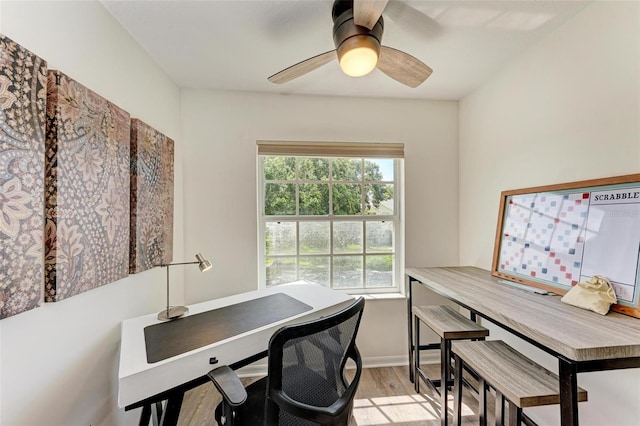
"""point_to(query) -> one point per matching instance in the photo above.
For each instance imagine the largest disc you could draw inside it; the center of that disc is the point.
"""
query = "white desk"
(139, 380)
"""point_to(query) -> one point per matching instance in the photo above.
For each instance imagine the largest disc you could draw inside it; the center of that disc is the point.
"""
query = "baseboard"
(260, 369)
(398, 360)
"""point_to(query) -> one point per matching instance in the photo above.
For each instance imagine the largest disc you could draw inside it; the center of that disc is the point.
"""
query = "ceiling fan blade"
(367, 12)
(402, 67)
(301, 68)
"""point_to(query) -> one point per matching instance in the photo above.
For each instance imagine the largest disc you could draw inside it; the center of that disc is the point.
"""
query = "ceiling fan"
(357, 35)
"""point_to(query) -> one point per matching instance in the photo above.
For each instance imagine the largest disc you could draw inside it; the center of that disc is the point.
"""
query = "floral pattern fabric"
(151, 198)
(87, 190)
(23, 82)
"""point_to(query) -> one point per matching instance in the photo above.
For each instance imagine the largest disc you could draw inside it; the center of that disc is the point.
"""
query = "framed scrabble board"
(553, 237)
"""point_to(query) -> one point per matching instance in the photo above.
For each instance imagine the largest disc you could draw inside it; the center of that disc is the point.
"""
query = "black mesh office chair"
(305, 384)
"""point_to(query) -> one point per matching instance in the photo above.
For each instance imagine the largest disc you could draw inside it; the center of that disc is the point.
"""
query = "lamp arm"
(167, 290)
(167, 266)
(173, 264)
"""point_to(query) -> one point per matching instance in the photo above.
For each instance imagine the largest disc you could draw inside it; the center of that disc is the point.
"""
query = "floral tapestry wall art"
(86, 190)
(23, 79)
(151, 198)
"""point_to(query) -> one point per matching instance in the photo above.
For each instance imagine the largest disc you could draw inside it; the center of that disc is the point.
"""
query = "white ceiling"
(237, 44)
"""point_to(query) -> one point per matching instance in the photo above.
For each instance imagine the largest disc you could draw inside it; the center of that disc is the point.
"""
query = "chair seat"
(251, 412)
(321, 394)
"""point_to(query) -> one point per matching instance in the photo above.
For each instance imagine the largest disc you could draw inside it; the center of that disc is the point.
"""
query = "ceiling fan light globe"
(358, 55)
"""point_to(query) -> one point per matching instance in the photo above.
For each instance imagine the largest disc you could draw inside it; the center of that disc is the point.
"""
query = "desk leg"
(145, 416)
(568, 392)
(410, 329)
(172, 409)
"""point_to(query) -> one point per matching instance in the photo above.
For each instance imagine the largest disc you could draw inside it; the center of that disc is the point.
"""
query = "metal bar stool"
(518, 381)
(450, 325)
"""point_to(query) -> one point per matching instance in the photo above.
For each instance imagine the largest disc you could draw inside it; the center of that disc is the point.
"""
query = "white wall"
(220, 130)
(568, 109)
(59, 361)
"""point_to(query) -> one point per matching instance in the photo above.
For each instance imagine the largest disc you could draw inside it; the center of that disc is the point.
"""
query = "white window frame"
(397, 218)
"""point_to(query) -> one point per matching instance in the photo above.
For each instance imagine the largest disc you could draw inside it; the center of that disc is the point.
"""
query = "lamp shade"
(358, 55)
(203, 263)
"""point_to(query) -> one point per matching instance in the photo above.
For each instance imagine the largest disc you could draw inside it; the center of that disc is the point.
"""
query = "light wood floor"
(385, 396)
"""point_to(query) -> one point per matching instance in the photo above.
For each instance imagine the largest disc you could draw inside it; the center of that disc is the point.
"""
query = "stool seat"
(516, 379)
(448, 323)
(519, 379)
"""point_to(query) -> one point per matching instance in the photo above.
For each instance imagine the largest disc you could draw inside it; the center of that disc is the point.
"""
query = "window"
(331, 220)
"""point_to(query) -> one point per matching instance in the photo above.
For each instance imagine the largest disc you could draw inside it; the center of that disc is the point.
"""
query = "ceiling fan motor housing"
(347, 33)
(359, 49)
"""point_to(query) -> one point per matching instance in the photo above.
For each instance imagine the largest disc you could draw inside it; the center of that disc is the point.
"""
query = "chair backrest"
(306, 382)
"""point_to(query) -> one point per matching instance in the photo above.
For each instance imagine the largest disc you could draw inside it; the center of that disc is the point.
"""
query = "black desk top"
(175, 337)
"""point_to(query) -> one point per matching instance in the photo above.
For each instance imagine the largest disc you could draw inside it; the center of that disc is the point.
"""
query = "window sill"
(380, 296)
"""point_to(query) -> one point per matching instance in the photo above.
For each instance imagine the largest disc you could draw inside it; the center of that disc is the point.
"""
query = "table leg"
(445, 375)
(410, 329)
(568, 372)
(416, 356)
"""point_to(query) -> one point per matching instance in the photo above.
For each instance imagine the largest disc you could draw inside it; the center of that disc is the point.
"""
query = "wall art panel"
(87, 190)
(23, 82)
(151, 198)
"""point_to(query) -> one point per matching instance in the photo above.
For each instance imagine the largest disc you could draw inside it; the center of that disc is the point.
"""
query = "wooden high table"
(581, 340)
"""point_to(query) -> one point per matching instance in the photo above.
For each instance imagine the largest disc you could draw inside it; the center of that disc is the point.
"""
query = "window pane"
(347, 272)
(379, 271)
(376, 169)
(378, 199)
(347, 237)
(347, 199)
(280, 238)
(330, 221)
(279, 168)
(279, 199)
(314, 199)
(347, 169)
(314, 237)
(313, 168)
(315, 269)
(280, 270)
(379, 237)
